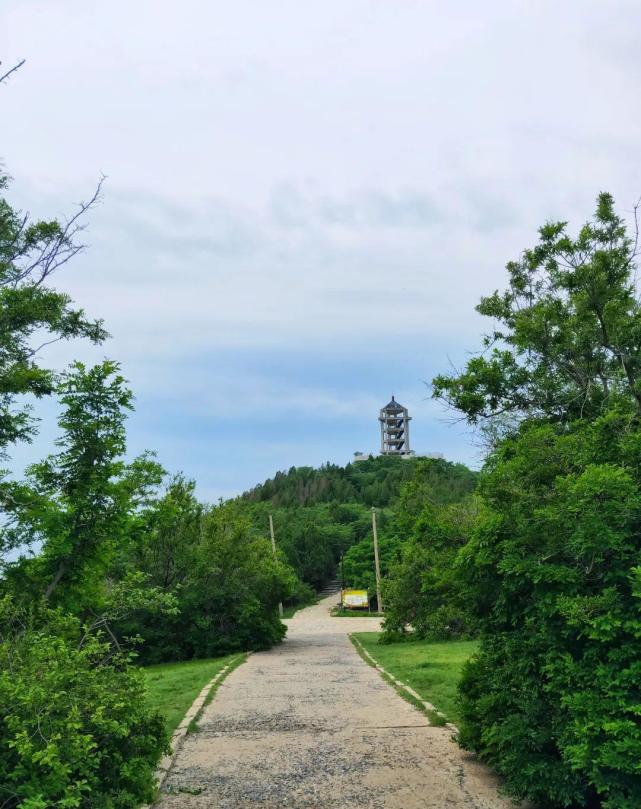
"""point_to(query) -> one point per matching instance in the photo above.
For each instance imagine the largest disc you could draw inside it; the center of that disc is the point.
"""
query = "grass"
(434, 717)
(339, 612)
(431, 669)
(172, 687)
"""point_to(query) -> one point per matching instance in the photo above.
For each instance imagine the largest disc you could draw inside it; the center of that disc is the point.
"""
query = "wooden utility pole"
(271, 533)
(379, 599)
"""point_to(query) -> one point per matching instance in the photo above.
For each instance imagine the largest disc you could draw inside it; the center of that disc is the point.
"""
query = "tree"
(569, 329)
(75, 728)
(80, 503)
(32, 314)
(424, 588)
(4, 76)
(225, 579)
(358, 563)
(551, 569)
(551, 700)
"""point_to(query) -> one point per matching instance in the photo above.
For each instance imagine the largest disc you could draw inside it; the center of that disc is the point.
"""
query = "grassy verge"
(172, 687)
(431, 669)
(339, 612)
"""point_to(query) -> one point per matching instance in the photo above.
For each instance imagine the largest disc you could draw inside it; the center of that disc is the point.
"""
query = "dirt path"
(309, 724)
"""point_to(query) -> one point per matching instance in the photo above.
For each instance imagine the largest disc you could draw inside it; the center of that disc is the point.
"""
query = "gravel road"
(309, 724)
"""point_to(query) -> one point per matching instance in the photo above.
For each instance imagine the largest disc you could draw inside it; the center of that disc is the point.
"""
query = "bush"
(74, 729)
(424, 589)
(226, 581)
(552, 700)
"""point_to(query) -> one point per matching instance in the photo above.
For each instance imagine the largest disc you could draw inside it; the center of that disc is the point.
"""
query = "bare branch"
(13, 70)
(43, 259)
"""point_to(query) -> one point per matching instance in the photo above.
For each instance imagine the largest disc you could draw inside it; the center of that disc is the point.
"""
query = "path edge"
(192, 715)
(427, 707)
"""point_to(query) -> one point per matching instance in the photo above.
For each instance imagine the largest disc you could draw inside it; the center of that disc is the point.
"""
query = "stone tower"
(395, 429)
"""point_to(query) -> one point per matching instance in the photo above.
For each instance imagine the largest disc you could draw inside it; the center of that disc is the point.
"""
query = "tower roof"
(394, 407)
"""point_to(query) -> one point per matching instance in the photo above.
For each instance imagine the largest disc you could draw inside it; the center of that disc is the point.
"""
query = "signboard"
(354, 598)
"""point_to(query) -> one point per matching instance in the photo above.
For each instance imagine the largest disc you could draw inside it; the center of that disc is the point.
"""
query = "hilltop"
(374, 482)
(321, 513)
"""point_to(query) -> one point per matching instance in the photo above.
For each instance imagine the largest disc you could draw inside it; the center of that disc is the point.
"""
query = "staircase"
(331, 588)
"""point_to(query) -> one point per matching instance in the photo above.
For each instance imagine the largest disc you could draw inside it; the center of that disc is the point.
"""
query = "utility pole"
(271, 533)
(379, 600)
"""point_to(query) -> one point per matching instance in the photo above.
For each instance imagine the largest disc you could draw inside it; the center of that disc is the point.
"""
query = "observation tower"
(395, 429)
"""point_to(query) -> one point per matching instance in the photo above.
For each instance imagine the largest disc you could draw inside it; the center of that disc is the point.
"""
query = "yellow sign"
(355, 598)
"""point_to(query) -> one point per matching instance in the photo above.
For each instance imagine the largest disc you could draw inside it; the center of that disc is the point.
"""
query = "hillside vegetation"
(322, 515)
(375, 482)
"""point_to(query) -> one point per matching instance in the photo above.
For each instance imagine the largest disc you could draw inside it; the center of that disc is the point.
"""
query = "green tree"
(552, 698)
(226, 580)
(551, 569)
(424, 589)
(74, 726)
(375, 482)
(569, 329)
(358, 562)
(81, 502)
(32, 313)
(320, 514)
(75, 730)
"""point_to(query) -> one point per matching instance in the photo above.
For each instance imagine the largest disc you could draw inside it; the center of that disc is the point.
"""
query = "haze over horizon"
(304, 202)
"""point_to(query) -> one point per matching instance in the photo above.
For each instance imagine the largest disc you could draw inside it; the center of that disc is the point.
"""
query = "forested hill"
(373, 482)
(322, 515)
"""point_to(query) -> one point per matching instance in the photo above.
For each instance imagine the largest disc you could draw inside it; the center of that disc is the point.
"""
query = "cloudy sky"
(305, 200)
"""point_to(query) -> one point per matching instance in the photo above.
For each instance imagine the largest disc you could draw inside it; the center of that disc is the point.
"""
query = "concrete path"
(309, 724)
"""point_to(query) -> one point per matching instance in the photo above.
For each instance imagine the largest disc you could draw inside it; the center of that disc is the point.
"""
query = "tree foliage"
(32, 313)
(79, 503)
(434, 484)
(313, 538)
(225, 580)
(568, 338)
(74, 727)
(373, 482)
(552, 698)
(431, 521)
(75, 730)
(552, 567)
(327, 513)
(424, 590)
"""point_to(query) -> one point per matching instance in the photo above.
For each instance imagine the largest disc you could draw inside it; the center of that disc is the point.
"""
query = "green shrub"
(358, 562)
(226, 581)
(553, 699)
(74, 729)
(424, 588)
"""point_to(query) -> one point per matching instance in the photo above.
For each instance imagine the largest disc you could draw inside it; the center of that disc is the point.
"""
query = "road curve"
(309, 725)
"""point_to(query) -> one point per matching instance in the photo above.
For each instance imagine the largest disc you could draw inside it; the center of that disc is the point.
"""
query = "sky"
(305, 201)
